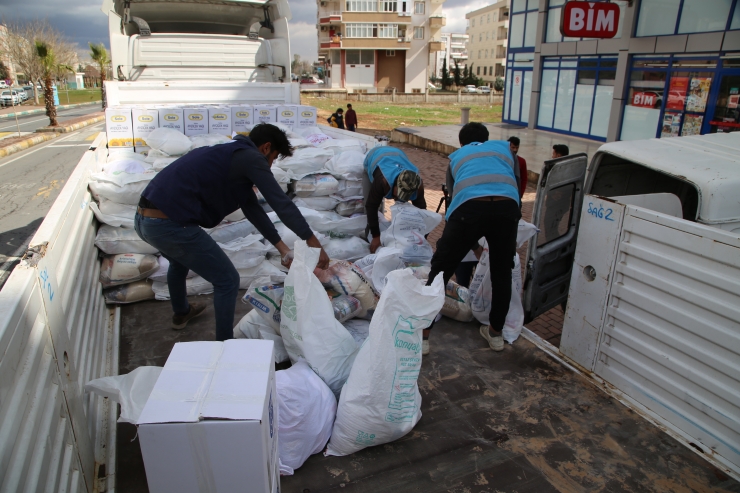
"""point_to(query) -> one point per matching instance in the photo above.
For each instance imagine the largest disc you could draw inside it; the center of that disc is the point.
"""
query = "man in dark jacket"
(200, 189)
(350, 118)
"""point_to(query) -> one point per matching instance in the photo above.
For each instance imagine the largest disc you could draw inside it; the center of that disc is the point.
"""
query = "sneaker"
(425, 347)
(179, 322)
(495, 342)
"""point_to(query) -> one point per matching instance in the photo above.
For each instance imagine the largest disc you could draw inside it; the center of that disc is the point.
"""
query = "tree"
(465, 74)
(99, 55)
(49, 65)
(4, 72)
(456, 73)
(498, 84)
(470, 78)
(446, 79)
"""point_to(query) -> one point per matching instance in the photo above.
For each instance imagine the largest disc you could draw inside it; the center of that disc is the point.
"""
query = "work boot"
(495, 342)
(180, 321)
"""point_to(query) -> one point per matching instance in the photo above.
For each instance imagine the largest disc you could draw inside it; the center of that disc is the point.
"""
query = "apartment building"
(379, 45)
(453, 45)
(4, 56)
(673, 69)
(488, 29)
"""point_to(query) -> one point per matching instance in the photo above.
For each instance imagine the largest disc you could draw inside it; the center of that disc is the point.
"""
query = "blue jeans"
(191, 248)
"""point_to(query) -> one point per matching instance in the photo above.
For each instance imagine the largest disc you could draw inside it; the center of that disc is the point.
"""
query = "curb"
(71, 128)
(42, 110)
(25, 144)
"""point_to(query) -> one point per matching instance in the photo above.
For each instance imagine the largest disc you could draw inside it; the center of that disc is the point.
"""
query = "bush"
(498, 84)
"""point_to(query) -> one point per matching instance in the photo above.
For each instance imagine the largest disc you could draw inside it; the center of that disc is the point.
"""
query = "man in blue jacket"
(483, 181)
(200, 189)
(389, 174)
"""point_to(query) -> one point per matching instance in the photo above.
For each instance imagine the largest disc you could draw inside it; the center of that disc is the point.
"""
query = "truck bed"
(519, 420)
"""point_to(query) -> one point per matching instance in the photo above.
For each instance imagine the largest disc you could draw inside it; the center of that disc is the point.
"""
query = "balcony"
(462, 55)
(377, 43)
(437, 21)
(327, 42)
(435, 46)
(329, 17)
(379, 17)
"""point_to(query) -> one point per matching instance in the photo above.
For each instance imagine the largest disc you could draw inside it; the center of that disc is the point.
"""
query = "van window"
(616, 176)
(556, 214)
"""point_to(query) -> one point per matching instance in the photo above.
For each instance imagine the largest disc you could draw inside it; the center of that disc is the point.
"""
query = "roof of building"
(487, 8)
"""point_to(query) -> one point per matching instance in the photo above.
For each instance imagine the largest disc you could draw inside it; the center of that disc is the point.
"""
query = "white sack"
(407, 230)
(266, 299)
(125, 165)
(237, 215)
(341, 146)
(113, 240)
(380, 402)
(252, 326)
(457, 303)
(359, 329)
(316, 186)
(289, 238)
(125, 268)
(306, 410)
(281, 176)
(226, 232)
(265, 269)
(386, 261)
(347, 165)
(332, 224)
(130, 293)
(304, 160)
(349, 188)
(161, 273)
(161, 163)
(345, 278)
(117, 154)
(316, 203)
(308, 326)
(204, 140)
(169, 141)
(245, 252)
(131, 391)
(193, 286)
(347, 248)
(350, 206)
(123, 188)
(113, 214)
(365, 264)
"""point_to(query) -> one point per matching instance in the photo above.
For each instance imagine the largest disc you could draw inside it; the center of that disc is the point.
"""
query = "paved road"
(31, 181)
(29, 123)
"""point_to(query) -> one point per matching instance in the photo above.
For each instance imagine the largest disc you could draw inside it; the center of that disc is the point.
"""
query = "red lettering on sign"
(589, 19)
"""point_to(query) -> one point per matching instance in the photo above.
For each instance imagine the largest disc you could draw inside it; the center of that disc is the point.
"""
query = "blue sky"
(81, 21)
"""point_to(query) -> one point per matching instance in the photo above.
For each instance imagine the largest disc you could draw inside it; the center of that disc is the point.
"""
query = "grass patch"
(387, 115)
(75, 96)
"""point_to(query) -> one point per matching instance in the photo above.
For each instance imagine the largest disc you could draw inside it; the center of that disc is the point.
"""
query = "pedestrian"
(514, 146)
(336, 119)
(350, 118)
(197, 191)
(482, 177)
(388, 174)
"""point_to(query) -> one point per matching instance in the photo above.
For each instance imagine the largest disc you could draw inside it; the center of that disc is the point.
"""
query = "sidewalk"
(11, 111)
(536, 145)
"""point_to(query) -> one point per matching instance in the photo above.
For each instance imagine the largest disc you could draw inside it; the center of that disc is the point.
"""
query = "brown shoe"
(180, 321)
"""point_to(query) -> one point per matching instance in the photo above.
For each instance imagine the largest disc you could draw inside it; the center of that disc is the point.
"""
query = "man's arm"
(256, 215)
(522, 176)
(372, 204)
(450, 182)
(420, 201)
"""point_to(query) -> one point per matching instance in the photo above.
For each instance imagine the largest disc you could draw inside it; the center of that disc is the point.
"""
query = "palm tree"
(48, 63)
(99, 55)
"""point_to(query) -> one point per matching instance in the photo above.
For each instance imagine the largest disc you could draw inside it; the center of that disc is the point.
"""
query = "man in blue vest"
(388, 174)
(200, 189)
(482, 178)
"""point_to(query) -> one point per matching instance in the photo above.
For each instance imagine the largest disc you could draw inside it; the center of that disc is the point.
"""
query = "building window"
(390, 6)
(488, 18)
(523, 30)
(499, 70)
(419, 7)
(472, 22)
(479, 53)
(359, 30)
(478, 70)
(418, 33)
(480, 37)
(390, 53)
(576, 95)
(501, 51)
(388, 30)
(335, 57)
(665, 17)
(490, 70)
(415, 91)
(362, 6)
(486, 53)
(484, 70)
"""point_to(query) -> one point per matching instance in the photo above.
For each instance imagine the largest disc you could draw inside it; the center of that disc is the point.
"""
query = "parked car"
(3, 85)
(10, 98)
(470, 88)
(484, 90)
(22, 92)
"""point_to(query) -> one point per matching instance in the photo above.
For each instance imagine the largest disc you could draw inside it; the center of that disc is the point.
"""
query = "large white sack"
(359, 329)
(341, 146)
(126, 165)
(407, 230)
(113, 214)
(131, 391)
(264, 269)
(129, 293)
(197, 285)
(316, 203)
(204, 140)
(349, 188)
(266, 299)
(347, 248)
(348, 165)
(226, 232)
(161, 273)
(117, 154)
(245, 252)
(316, 186)
(350, 206)
(380, 402)
(112, 240)
(365, 264)
(308, 326)
(123, 188)
(125, 268)
(304, 160)
(332, 224)
(306, 410)
(281, 176)
(289, 237)
(481, 291)
(344, 278)
(194, 286)
(169, 141)
(387, 260)
(252, 326)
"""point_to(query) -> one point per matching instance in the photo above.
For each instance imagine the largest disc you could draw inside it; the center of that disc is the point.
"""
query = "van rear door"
(550, 254)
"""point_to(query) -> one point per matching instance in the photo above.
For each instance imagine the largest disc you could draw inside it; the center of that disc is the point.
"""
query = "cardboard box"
(306, 117)
(118, 127)
(196, 121)
(288, 116)
(145, 121)
(265, 113)
(172, 118)
(219, 120)
(210, 423)
(242, 119)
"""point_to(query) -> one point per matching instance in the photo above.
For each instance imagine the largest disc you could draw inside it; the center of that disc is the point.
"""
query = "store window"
(554, 12)
(419, 7)
(523, 24)
(576, 95)
(666, 17)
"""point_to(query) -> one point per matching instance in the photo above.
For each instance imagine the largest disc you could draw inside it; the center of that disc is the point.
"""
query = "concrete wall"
(430, 98)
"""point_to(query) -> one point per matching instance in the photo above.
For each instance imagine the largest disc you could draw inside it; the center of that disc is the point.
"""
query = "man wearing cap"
(388, 174)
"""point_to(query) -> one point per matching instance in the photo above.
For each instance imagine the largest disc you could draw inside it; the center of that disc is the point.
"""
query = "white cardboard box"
(145, 121)
(265, 113)
(196, 121)
(172, 118)
(119, 128)
(219, 120)
(242, 119)
(210, 423)
(287, 115)
(306, 117)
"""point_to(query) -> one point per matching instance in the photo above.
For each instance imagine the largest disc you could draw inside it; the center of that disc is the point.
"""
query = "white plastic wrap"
(131, 391)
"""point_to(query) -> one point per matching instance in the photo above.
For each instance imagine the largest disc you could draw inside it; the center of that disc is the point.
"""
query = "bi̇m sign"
(589, 19)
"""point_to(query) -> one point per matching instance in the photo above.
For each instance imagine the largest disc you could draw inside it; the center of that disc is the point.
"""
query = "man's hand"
(286, 253)
(313, 242)
(374, 244)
